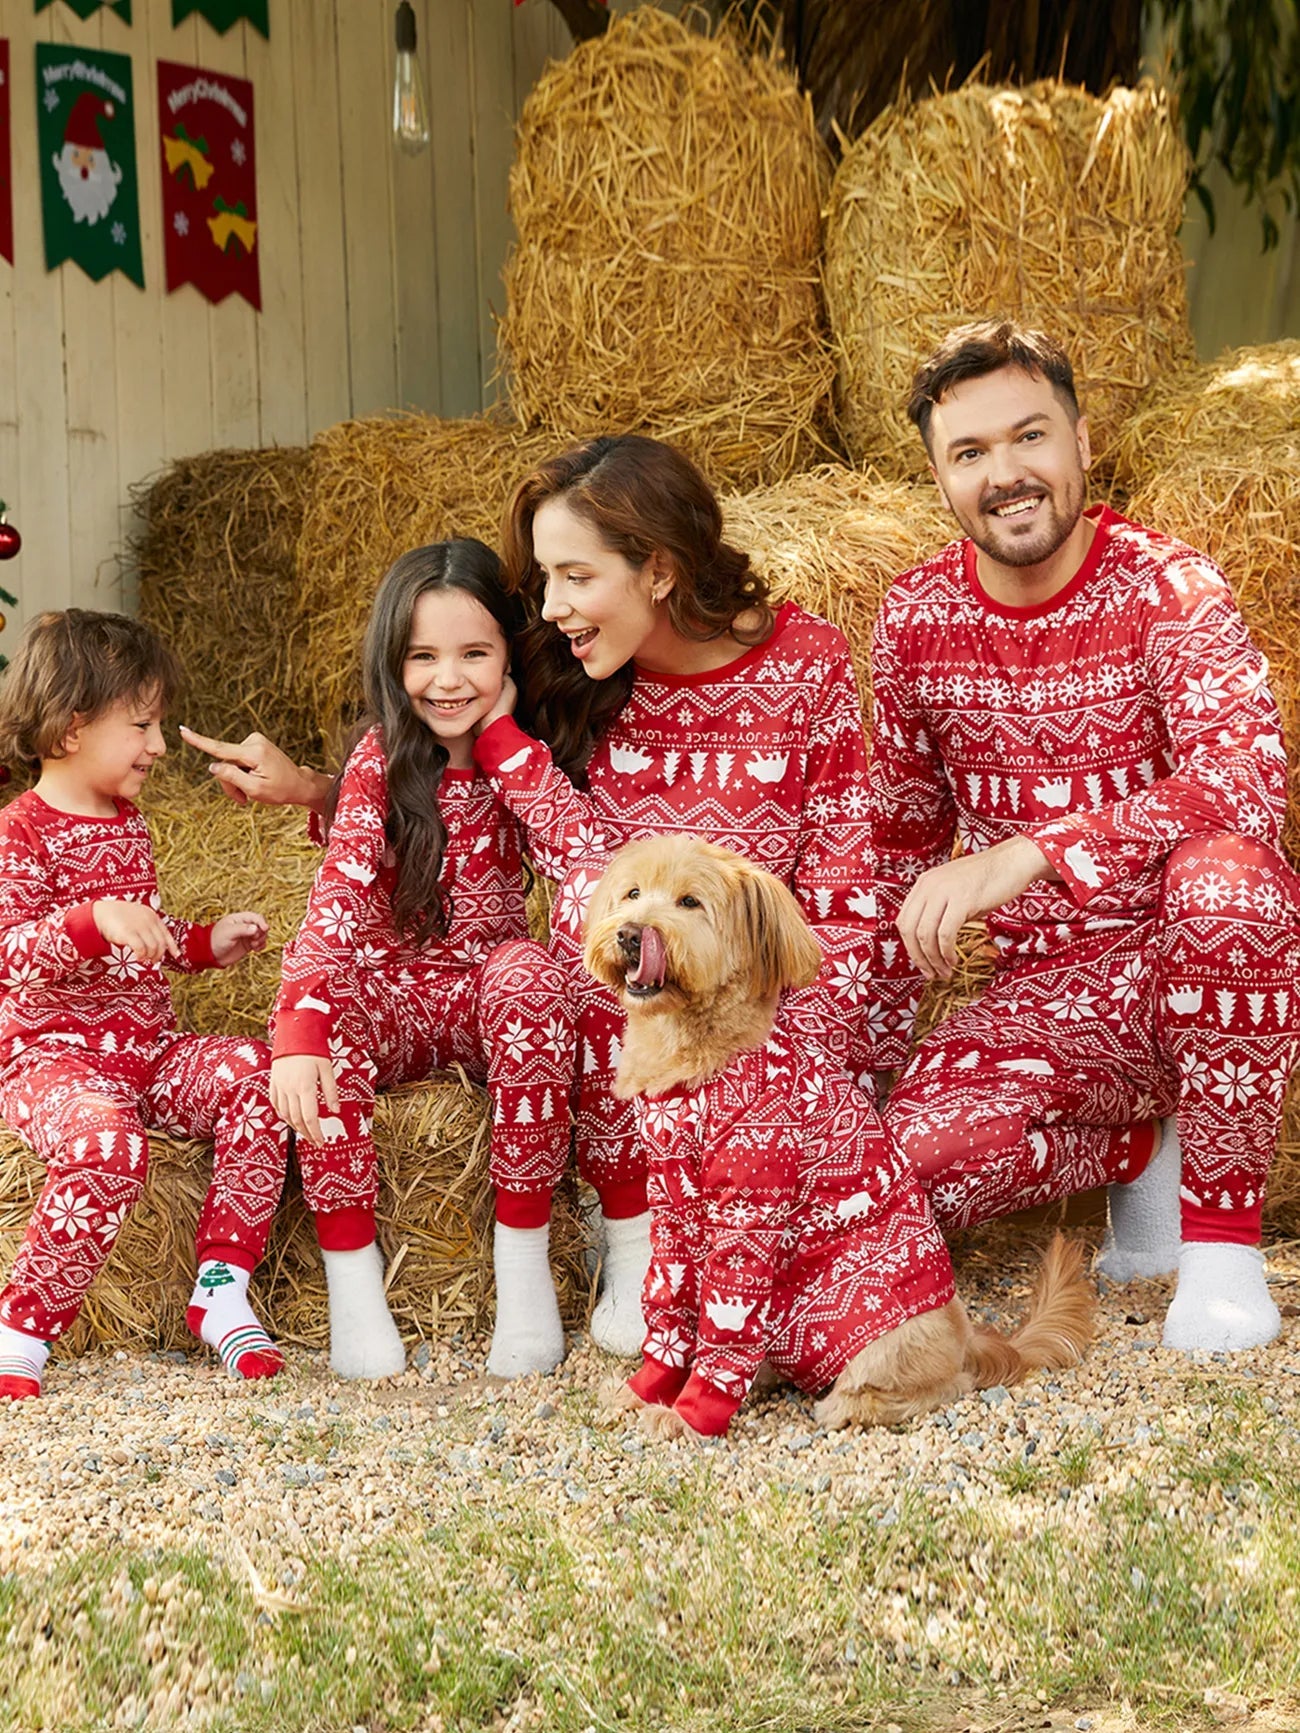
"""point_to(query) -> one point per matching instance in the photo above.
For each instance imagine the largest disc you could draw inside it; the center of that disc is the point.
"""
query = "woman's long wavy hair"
(416, 757)
(641, 497)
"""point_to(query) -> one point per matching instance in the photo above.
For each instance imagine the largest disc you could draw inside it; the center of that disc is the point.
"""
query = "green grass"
(679, 1608)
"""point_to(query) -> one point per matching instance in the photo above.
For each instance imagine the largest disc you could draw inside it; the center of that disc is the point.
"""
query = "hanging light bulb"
(410, 110)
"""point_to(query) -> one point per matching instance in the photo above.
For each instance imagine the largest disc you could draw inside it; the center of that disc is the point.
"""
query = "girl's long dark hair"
(416, 757)
(641, 497)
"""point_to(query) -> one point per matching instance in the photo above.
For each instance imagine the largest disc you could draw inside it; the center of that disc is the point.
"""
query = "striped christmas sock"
(220, 1315)
(22, 1360)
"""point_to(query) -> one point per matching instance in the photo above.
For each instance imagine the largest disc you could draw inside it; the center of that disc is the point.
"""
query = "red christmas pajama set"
(90, 1056)
(765, 756)
(1126, 725)
(385, 1011)
(785, 1226)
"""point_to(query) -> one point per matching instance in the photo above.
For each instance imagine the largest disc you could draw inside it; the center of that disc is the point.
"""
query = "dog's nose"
(629, 942)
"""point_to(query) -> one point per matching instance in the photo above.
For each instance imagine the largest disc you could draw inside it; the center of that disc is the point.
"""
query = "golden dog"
(698, 944)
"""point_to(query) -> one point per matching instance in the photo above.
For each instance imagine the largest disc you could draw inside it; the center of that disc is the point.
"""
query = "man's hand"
(235, 936)
(504, 706)
(257, 770)
(299, 1082)
(942, 900)
(138, 929)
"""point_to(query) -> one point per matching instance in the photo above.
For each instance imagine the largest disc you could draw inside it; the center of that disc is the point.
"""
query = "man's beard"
(1054, 527)
(90, 195)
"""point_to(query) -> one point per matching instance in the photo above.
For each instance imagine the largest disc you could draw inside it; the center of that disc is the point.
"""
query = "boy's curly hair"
(78, 663)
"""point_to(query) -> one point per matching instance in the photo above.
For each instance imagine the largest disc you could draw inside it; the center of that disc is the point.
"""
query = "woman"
(673, 697)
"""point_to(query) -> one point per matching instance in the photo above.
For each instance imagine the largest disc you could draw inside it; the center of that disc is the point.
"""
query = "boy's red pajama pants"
(1027, 1094)
(85, 1114)
(507, 1021)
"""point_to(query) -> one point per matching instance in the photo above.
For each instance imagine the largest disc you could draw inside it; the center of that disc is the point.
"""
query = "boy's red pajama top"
(765, 756)
(1127, 727)
(785, 1226)
(90, 1054)
(386, 1010)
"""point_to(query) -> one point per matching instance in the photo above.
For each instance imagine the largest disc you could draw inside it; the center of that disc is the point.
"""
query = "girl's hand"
(234, 936)
(257, 770)
(298, 1084)
(137, 928)
(504, 706)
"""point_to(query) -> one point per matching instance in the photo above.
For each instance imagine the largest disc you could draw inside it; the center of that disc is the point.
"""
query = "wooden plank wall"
(380, 273)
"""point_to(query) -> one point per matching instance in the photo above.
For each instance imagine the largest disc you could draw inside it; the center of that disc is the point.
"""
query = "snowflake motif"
(336, 922)
(685, 716)
(661, 1118)
(70, 1213)
(119, 234)
(20, 971)
(811, 1092)
(852, 977)
(555, 1034)
(1269, 901)
(1196, 1074)
(1071, 689)
(121, 964)
(1074, 1007)
(111, 1224)
(744, 718)
(856, 804)
(238, 153)
(1237, 957)
(1212, 891)
(1126, 985)
(588, 837)
(256, 1119)
(515, 1042)
(1204, 694)
(961, 688)
(1035, 695)
(1234, 1083)
(822, 808)
(1094, 740)
(1109, 680)
(181, 223)
(51, 100)
(668, 1347)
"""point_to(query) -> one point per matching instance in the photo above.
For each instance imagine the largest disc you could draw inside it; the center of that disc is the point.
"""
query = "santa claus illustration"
(88, 177)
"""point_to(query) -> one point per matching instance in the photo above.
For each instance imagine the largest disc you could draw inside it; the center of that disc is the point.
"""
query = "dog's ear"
(593, 949)
(784, 952)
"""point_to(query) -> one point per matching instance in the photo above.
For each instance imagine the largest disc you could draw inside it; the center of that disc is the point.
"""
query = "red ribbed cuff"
(622, 1199)
(198, 947)
(703, 1406)
(523, 1209)
(345, 1230)
(79, 924)
(239, 1256)
(1243, 1227)
(658, 1383)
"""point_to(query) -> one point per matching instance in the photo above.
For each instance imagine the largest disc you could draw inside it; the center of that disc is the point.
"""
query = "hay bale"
(378, 487)
(1045, 203)
(1241, 506)
(1247, 397)
(833, 540)
(667, 192)
(217, 578)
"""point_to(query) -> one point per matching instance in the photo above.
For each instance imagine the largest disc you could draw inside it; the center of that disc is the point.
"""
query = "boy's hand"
(299, 1082)
(234, 936)
(504, 706)
(256, 769)
(137, 928)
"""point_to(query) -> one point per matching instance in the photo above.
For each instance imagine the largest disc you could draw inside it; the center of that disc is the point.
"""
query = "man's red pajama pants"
(85, 1114)
(1026, 1095)
(507, 1021)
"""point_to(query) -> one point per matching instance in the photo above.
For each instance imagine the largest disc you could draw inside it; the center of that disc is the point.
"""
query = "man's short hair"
(986, 346)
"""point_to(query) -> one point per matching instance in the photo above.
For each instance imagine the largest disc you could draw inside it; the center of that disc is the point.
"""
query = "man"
(1078, 699)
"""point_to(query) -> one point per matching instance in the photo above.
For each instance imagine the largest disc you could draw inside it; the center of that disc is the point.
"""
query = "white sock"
(22, 1360)
(220, 1315)
(617, 1324)
(364, 1342)
(1222, 1302)
(1144, 1234)
(529, 1336)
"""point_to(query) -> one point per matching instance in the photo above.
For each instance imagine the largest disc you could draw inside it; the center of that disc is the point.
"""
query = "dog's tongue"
(649, 971)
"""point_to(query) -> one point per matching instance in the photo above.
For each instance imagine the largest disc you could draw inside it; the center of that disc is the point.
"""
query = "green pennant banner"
(90, 198)
(84, 8)
(221, 14)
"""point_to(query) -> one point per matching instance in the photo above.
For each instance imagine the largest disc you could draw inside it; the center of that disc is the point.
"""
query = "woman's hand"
(236, 935)
(504, 706)
(299, 1082)
(257, 770)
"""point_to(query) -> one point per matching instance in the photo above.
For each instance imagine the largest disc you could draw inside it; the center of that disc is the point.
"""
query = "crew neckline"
(1104, 519)
(125, 809)
(725, 670)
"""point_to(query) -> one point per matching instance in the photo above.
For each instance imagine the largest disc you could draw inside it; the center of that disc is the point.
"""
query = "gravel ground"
(160, 1450)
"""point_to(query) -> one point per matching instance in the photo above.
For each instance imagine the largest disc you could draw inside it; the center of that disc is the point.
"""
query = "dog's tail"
(1058, 1327)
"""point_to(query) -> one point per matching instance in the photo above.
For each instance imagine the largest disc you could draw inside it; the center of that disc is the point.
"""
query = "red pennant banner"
(6, 176)
(209, 177)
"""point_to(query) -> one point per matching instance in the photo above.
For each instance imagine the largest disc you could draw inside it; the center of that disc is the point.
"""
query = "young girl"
(414, 956)
(89, 1050)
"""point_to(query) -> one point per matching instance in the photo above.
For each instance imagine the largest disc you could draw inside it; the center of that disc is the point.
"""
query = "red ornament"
(10, 540)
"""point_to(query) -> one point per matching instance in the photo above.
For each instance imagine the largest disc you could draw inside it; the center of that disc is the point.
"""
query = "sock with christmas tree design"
(220, 1315)
(22, 1360)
